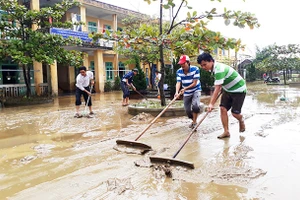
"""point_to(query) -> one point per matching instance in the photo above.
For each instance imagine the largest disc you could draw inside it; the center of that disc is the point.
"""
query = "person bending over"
(83, 80)
(233, 88)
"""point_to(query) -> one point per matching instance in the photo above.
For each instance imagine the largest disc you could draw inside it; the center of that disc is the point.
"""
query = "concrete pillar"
(116, 65)
(38, 67)
(99, 71)
(72, 78)
(86, 61)
(54, 80)
(115, 22)
(35, 4)
(99, 28)
(38, 76)
(82, 11)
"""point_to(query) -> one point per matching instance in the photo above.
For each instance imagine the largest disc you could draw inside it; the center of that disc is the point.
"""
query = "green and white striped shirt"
(230, 79)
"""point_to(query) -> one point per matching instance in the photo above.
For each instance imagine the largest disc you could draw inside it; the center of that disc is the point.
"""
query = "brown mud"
(45, 153)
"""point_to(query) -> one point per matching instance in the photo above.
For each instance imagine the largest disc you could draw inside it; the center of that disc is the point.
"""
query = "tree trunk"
(161, 54)
(26, 74)
(284, 76)
(49, 80)
(151, 76)
(162, 79)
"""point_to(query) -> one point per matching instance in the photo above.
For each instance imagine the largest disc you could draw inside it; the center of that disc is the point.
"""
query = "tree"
(25, 36)
(155, 39)
(275, 58)
(251, 71)
(140, 79)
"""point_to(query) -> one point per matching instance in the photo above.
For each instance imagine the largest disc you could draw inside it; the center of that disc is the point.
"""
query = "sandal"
(192, 125)
(224, 135)
(77, 115)
(242, 126)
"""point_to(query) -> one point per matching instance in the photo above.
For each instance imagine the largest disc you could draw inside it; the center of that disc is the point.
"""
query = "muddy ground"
(45, 153)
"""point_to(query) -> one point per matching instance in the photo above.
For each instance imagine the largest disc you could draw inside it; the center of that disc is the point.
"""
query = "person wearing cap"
(188, 77)
(126, 82)
(233, 88)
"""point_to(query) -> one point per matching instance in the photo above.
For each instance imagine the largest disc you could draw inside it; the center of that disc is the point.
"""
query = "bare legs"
(125, 101)
(77, 109)
(195, 116)
(224, 119)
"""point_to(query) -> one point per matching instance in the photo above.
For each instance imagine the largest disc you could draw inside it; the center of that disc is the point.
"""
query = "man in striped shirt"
(233, 93)
(189, 78)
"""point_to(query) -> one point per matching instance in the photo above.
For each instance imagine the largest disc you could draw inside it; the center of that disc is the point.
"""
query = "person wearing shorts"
(233, 88)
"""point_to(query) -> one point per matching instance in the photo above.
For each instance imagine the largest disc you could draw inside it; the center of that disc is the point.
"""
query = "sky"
(278, 19)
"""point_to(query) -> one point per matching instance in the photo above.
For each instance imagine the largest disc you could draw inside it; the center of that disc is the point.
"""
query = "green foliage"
(117, 83)
(251, 72)
(112, 85)
(206, 79)
(108, 86)
(152, 40)
(26, 45)
(171, 76)
(275, 58)
(139, 81)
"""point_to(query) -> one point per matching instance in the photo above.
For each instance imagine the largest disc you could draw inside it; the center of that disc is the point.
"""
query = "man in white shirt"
(83, 80)
(157, 79)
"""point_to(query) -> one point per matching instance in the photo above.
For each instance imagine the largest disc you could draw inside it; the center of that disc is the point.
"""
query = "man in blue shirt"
(189, 78)
(126, 82)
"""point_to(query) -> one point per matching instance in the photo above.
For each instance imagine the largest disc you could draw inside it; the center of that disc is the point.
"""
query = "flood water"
(46, 153)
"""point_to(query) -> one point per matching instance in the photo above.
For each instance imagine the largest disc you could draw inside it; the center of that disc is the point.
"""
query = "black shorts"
(233, 101)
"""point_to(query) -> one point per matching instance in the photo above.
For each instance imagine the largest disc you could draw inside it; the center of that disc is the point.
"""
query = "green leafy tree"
(26, 38)
(154, 40)
(207, 80)
(251, 72)
(171, 76)
(274, 58)
(117, 83)
(140, 79)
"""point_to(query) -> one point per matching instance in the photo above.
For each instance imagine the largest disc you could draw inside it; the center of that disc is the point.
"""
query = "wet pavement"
(45, 153)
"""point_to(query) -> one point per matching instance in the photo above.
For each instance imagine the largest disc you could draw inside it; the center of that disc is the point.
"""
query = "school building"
(101, 59)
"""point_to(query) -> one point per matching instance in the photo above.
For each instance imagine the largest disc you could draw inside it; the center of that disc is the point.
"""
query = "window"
(11, 74)
(109, 71)
(92, 27)
(92, 67)
(76, 18)
(106, 27)
(121, 69)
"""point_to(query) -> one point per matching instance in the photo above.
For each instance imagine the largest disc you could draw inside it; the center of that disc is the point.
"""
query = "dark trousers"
(78, 94)
(125, 90)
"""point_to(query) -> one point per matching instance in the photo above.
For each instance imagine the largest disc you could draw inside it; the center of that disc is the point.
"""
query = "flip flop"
(222, 136)
(242, 126)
